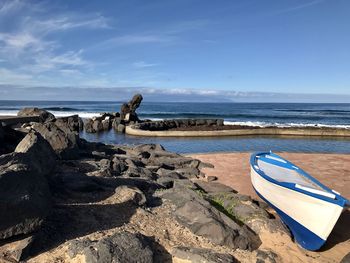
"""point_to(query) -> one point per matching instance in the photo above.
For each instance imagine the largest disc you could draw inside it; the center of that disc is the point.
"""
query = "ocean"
(260, 114)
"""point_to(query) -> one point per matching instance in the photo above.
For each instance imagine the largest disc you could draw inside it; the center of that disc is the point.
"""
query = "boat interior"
(282, 171)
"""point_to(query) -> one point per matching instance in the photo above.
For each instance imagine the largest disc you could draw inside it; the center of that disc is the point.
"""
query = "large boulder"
(118, 248)
(25, 200)
(125, 193)
(245, 210)
(203, 219)
(61, 138)
(101, 123)
(9, 138)
(43, 114)
(128, 110)
(37, 149)
(24, 190)
(72, 123)
(88, 125)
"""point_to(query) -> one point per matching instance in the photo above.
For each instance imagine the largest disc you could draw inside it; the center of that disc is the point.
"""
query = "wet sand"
(332, 170)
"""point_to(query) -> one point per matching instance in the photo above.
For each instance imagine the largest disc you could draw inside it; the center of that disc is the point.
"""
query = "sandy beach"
(333, 170)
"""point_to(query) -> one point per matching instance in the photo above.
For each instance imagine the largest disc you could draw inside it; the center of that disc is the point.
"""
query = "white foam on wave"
(87, 115)
(84, 115)
(284, 125)
(8, 112)
(56, 113)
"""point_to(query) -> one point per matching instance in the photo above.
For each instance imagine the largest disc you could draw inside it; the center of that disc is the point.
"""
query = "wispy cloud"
(29, 48)
(72, 58)
(7, 7)
(300, 6)
(186, 26)
(68, 22)
(143, 64)
(168, 34)
(135, 39)
(10, 76)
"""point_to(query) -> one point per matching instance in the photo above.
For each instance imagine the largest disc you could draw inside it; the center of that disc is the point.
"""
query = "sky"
(242, 49)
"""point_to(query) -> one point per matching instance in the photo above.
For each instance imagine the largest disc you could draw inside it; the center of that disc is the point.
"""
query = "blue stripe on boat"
(302, 235)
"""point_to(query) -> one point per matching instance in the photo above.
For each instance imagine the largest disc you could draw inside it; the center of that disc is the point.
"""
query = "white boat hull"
(316, 215)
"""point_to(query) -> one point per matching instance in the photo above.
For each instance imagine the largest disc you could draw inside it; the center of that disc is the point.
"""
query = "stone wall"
(177, 123)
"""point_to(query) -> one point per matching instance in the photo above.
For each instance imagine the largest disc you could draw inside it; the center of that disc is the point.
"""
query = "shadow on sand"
(79, 214)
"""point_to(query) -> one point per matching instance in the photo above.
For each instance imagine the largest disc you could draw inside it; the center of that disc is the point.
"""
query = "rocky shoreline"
(68, 200)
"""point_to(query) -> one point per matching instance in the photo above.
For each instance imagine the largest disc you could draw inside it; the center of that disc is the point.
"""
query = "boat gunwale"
(339, 200)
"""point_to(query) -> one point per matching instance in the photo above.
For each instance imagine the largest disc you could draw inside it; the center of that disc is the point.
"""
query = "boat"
(307, 207)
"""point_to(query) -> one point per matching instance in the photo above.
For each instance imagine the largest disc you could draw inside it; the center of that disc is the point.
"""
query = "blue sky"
(182, 46)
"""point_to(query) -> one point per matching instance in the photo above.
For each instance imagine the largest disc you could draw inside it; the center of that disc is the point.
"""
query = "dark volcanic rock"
(101, 123)
(24, 195)
(39, 150)
(200, 255)
(73, 123)
(214, 187)
(9, 138)
(181, 124)
(121, 128)
(116, 122)
(128, 111)
(97, 126)
(127, 193)
(167, 182)
(149, 148)
(43, 114)
(124, 111)
(88, 125)
(266, 256)
(246, 211)
(118, 165)
(203, 219)
(189, 172)
(118, 248)
(140, 172)
(62, 140)
(24, 189)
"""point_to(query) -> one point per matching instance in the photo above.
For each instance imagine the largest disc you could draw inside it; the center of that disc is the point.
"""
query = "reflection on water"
(230, 144)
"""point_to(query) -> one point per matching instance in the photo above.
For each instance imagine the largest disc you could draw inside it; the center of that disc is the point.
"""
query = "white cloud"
(143, 64)
(298, 7)
(68, 22)
(70, 71)
(7, 7)
(137, 39)
(10, 76)
(19, 41)
(208, 92)
(72, 58)
(168, 34)
(30, 48)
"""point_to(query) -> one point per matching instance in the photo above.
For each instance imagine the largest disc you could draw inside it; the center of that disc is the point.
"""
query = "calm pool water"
(230, 144)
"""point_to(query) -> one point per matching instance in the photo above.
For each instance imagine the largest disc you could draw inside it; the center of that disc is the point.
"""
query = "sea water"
(254, 114)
